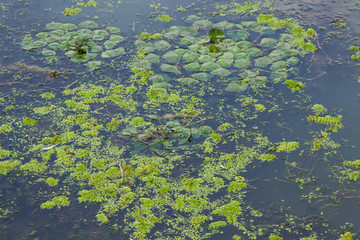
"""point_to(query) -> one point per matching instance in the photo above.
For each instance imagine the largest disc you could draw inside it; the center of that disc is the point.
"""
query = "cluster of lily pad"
(194, 56)
(81, 43)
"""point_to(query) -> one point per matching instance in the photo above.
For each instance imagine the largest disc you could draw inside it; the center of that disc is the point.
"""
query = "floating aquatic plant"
(81, 43)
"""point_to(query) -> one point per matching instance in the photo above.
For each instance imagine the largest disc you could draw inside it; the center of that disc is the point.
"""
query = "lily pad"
(113, 29)
(202, 76)
(96, 48)
(244, 44)
(236, 87)
(191, 56)
(180, 51)
(42, 34)
(249, 73)
(187, 40)
(225, 62)
(293, 60)
(53, 25)
(283, 46)
(67, 26)
(224, 25)
(263, 61)
(279, 74)
(253, 51)
(238, 34)
(195, 47)
(113, 52)
(277, 54)
(192, 66)
(205, 58)
(57, 32)
(278, 64)
(156, 78)
(187, 80)
(153, 58)
(110, 44)
(292, 52)
(242, 63)
(169, 68)
(259, 80)
(202, 24)
(267, 42)
(162, 45)
(221, 72)
(171, 56)
(227, 55)
(172, 32)
(88, 24)
(210, 66)
(241, 55)
(249, 24)
(48, 52)
(92, 64)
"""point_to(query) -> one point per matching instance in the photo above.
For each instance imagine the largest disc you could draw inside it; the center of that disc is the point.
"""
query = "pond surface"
(161, 120)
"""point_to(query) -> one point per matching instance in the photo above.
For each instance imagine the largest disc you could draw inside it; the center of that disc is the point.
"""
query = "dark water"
(329, 73)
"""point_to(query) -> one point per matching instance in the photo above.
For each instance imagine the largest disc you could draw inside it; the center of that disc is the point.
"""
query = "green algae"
(179, 165)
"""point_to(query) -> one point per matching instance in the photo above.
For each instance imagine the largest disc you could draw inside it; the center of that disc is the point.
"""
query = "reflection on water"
(334, 86)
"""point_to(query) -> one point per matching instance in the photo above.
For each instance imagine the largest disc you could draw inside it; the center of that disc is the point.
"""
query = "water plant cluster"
(163, 150)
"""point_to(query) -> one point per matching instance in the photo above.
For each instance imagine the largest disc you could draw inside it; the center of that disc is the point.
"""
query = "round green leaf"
(113, 52)
(225, 62)
(221, 72)
(48, 52)
(162, 45)
(253, 51)
(192, 66)
(263, 61)
(92, 64)
(202, 24)
(242, 63)
(169, 68)
(42, 34)
(278, 64)
(171, 56)
(88, 24)
(191, 57)
(238, 34)
(53, 25)
(210, 66)
(153, 58)
(202, 76)
(293, 60)
(113, 29)
(267, 42)
(236, 87)
(205, 58)
(277, 54)
(244, 44)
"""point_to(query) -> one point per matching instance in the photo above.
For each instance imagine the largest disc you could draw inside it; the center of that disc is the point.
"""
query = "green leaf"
(169, 68)
(88, 24)
(244, 44)
(253, 51)
(192, 66)
(277, 54)
(171, 56)
(242, 63)
(210, 66)
(162, 45)
(191, 57)
(268, 42)
(213, 48)
(238, 35)
(48, 52)
(263, 61)
(221, 72)
(113, 29)
(54, 25)
(202, 76)
(236, 87)
(113, 52)
(278, 64)
(202, 24)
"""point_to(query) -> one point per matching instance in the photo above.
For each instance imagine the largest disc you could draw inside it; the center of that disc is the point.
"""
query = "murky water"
(329, 73)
